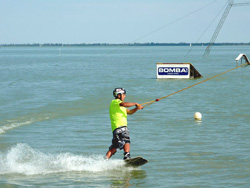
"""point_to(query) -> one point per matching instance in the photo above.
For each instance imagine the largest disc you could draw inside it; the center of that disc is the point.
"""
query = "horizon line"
(127, 44)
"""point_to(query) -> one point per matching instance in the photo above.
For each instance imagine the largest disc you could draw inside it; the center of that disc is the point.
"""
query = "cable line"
(156, 100)
(207, 28)
(220, 24)
(178, 19)
(166, 25)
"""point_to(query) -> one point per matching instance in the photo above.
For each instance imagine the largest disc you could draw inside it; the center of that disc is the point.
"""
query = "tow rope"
(156, 100)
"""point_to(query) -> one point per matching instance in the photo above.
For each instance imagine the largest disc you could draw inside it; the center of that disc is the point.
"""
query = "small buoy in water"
(197, 116)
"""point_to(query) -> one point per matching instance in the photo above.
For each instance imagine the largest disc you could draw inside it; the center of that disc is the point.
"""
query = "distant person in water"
(118, 116)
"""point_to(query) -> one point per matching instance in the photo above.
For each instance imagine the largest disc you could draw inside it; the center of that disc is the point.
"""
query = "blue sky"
(120, 21)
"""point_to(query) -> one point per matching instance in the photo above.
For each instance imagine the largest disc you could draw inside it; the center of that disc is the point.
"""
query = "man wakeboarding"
(118, 115)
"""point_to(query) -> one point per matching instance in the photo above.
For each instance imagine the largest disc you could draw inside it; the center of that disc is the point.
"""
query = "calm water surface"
(55, 127)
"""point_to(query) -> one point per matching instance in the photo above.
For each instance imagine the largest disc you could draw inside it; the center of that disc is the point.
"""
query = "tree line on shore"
(126, 44)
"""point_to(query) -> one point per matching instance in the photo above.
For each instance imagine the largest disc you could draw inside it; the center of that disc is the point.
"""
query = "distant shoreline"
(125, 44)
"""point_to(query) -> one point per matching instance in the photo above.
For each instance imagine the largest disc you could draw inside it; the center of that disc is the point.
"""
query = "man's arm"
(130, 104)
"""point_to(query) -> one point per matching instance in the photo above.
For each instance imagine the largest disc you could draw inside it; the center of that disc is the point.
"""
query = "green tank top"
(118, 114)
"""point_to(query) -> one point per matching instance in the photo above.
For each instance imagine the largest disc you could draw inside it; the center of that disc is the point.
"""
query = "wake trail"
(21, 121)
(22, 159)
(52, 111)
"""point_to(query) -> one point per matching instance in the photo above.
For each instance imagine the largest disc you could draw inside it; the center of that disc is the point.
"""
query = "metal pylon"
(219, 26)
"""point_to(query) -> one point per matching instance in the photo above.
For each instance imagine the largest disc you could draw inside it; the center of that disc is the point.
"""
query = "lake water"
(55, 127)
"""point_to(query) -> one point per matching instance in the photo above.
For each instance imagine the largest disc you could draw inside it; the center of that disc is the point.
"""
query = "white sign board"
(173, 70)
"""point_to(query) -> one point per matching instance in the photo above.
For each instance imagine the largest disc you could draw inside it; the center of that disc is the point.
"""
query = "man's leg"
(127, 147)
(111, 152)
(126, 151)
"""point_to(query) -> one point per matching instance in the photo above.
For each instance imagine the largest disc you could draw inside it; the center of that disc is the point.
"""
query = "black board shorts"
(120, 137)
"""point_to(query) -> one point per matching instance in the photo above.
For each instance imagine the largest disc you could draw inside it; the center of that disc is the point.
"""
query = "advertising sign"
(173, 70)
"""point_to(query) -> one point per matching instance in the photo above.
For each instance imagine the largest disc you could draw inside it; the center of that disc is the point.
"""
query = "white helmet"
(118, 91)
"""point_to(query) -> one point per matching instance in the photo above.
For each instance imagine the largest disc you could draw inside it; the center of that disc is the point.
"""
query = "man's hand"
(139, 107)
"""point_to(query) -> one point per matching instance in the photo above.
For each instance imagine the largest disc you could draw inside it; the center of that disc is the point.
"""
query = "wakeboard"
(135, 162)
